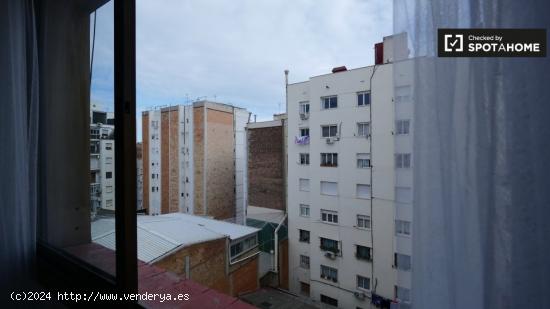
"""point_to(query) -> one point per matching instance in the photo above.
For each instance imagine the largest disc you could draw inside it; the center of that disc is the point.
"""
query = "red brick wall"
(245, 279)
(265, 167)
(220, 194)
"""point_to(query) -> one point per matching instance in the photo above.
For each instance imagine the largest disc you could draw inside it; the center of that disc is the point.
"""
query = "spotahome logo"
(491, 42)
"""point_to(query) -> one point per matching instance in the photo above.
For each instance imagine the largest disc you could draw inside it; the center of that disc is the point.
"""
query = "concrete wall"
(265, 167)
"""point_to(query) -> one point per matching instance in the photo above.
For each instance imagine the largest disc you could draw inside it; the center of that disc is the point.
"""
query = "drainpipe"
(276, 260)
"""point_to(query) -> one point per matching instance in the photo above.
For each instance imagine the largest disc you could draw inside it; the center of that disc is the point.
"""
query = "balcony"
(95, 190)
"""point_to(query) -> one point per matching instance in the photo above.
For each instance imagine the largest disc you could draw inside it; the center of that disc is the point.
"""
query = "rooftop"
(160, 235)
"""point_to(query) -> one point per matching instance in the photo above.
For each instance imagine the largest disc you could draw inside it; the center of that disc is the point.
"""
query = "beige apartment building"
(193, 160)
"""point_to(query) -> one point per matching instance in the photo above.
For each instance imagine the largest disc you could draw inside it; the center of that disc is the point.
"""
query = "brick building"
(193, 160)
(266, 164)
(266, 199)
(220, 255)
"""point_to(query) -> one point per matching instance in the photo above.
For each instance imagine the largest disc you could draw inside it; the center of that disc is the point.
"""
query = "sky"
(236, 51)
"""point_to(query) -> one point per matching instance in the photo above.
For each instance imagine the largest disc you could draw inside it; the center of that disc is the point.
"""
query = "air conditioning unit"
(330, 140)
(304, 116)
(330, 255)
(360, 295)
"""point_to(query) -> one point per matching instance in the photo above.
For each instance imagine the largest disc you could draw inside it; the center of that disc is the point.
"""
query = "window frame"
(365, 279)
(324, 102)
(364, 218)
(368, 258)
(361, 102)
(362, 133)
(305, 206)
(303, 158)
(325, 156)
(305, 232)
(329, 126)
(326, 214)
(332, 273)
(303, 263)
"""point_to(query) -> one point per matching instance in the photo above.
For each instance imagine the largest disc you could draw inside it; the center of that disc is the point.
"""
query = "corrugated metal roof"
(159, 235)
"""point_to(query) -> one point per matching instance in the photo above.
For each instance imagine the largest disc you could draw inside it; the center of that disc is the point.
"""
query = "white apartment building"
(102, 162)
(349, 184)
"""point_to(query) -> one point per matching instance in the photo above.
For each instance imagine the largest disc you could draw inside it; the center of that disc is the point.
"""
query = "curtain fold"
(19, 141)
(481, 236)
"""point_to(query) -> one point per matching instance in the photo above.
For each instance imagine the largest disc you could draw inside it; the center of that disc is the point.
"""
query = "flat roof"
(158, 236)
(264, 124)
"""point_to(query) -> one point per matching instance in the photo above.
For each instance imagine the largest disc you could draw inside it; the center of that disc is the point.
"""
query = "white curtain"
(481, 226)
(18, 142)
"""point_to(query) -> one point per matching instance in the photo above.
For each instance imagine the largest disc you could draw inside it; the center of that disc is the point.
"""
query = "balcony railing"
(95, 189)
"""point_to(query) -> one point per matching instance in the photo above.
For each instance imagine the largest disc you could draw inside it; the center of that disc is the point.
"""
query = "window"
(363, 160)
(304, 236)
(363, 98)
(155, 124)
(403, 194)
(304, 288)
(363, 222)
(329, 131)
(363, 129)
(236, 249)
(304, 184)
(402, 94)
(304, 107)
(108, 175)
(329, 102)
(329, 188)
(304, 131)
(363, 283)
(109, 189)
(402, 227)
(243, 245)
(363, 191)
(329, 300)
(108, 146)
(402, 294)
(94, 133)
(108, 160)
(329, 273)
(304, 159)
(402, 160)
(402, 126)
(304, 261)
(329, 245)
(363, 253)
(304, 210)
(402, 261)
(329, 216)
(329, 159)
(109, 203)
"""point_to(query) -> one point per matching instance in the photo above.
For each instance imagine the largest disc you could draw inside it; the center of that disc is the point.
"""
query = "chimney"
(379, 53)
(339, 69)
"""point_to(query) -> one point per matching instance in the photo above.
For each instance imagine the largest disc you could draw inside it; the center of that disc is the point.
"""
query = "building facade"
(266, 164)
(194, 160)
(349, 184)
(102, 162)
